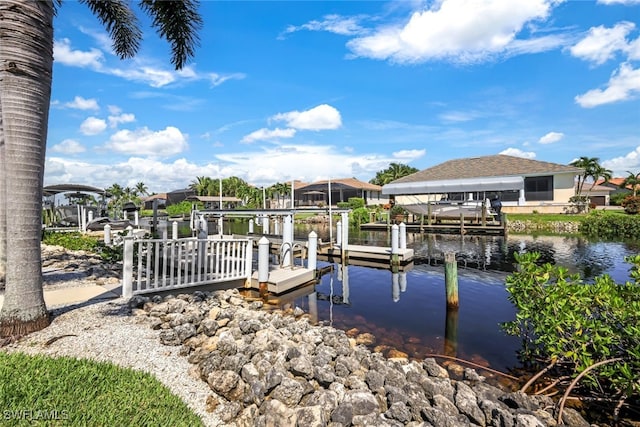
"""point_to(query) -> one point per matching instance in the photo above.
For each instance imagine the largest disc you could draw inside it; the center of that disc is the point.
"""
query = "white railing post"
(107, 235)
(127, 268)
(248, 263)
(339, 233)
(263, 265)
(403, 235)
(265, 224)
(174, 230)
(251, 226)
(395, 252)
(287, 242)
(312, 256)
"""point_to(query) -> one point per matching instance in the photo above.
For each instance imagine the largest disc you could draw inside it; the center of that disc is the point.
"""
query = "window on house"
(538, 188)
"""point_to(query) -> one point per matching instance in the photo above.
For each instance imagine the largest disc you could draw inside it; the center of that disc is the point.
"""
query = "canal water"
(406, 311)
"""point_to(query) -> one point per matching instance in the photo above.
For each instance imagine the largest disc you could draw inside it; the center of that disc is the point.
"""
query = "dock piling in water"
(451, 279)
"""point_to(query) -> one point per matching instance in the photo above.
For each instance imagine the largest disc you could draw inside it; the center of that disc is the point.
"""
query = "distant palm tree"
(26, 55)
(201, 185)
(141, 189)
(599, 172)
(588, 165)
(633, 181)
(393, 172)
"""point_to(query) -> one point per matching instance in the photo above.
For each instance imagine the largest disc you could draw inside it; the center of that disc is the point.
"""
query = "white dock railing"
(155, 265)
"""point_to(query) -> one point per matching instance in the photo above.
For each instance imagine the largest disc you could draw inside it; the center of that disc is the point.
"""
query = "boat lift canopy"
(466, 185)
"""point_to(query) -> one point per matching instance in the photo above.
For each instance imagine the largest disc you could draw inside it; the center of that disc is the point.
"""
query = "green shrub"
(182, 208)
(359, 216)
(356, 202)
(73, 240)
(343, 205)
(617, 198)
(561, 319)
(631, 204)
(611, 226)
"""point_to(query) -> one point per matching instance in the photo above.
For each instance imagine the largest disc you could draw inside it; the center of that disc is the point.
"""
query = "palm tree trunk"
(26, 61)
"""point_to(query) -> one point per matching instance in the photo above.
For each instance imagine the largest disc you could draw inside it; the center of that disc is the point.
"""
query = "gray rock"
(528, 420)
(571, 417)
(433, 369)
(228, 411)
(209, 327)
(343, 414)
(399, 411)
(445, 405)
(301, 366)
(223, 381)
(374, 379)
(289, 392)
(324, 375)
(278, 414)
(184, 331)
(437, 385)
(519, 400)
(466, 402)
(311, 416)
(169, 337)
(363, 402)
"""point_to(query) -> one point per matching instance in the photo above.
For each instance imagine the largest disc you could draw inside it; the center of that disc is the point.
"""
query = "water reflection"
(406, 310)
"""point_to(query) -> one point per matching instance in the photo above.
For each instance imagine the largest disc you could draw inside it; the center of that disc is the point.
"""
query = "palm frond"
(178, 22)
(121, 23)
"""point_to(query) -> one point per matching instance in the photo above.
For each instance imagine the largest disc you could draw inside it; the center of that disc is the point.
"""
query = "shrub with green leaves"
(359, 216)
(560, 318)
(611, 226)
(73, 240)
(356, 202)
(182, 208)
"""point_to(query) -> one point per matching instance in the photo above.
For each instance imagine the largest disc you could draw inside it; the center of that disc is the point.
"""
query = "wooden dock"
(452, 227)
(284, 279)
(374, 254)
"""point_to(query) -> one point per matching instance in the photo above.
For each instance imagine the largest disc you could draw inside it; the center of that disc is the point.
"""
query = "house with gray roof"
(522, 185)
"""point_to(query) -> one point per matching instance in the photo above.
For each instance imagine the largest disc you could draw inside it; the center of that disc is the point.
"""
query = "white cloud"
(321, 117)
(145, 142)
(63, 53)
(551, 137)
(115, 120)
(93, 126)
(265, 134)
(457, 30)
(518, 153)
(81, 103)
(68, 146)
(217, 79)
(620, 165)
(624, 84)
(408, 155)
(601, 44)
(346, 26)
(277, 163)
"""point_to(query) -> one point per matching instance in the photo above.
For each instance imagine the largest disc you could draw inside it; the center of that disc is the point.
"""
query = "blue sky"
(311, 90)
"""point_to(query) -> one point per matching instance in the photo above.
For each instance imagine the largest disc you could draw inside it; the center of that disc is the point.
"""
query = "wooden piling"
(451, 332)
(451, 279)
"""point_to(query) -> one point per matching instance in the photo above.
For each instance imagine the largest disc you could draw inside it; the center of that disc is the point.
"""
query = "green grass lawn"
(40, 390)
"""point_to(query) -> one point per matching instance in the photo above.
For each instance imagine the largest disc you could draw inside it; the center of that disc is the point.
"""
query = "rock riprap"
(269, 368)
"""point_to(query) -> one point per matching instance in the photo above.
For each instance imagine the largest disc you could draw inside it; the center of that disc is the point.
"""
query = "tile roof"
(347, 182)
(487, 166)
